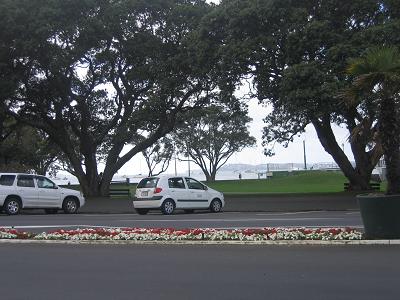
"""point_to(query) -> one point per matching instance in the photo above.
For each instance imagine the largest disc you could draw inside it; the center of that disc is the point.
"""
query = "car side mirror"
(206, 188)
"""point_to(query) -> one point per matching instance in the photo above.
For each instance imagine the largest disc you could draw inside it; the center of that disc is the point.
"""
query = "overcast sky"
(293, 154)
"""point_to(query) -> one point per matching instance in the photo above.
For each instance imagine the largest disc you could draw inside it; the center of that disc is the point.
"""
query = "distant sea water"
(227, 172)
(197, 174)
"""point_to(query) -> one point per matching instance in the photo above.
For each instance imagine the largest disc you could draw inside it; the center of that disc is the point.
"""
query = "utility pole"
(304, 151)
(176, 173)
(188, 158)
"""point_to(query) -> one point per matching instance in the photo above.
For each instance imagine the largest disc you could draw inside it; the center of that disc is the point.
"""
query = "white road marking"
(290, 213)
(104, 215)
(230, 227)
(228, 220)
(161, 216)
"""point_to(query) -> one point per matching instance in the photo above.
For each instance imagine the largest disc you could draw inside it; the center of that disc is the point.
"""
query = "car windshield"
(150, 182)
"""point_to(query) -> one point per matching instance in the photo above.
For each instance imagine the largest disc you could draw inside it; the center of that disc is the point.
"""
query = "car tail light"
(157, 190)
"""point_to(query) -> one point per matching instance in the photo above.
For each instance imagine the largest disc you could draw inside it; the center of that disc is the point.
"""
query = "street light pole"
(188, 145)
(176, 173)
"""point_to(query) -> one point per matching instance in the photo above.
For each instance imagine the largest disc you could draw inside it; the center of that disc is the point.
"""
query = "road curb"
(250, 243)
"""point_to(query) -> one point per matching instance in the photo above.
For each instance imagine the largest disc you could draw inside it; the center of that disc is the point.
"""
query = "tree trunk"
(209, 178)
(91, 182)
(206, 173)
(390, 132)
(88, 190)
(358, 177)
(213, 174)
(94, 188)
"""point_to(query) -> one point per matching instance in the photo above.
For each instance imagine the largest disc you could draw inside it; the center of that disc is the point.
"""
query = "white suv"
(173, 192)
(19, 191)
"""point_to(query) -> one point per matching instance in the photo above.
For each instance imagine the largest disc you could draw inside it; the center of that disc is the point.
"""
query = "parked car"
(168, 193)
(20, 191)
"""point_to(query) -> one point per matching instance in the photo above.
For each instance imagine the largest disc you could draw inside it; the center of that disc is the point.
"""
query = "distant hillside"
(262, 167)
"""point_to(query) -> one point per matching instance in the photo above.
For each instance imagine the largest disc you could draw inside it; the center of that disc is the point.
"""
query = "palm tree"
(377, 74)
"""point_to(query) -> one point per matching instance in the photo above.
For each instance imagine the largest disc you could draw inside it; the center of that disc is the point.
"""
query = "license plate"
(145, 193)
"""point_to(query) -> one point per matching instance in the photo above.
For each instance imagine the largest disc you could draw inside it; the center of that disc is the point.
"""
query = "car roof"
(9, 173)
(167, 176)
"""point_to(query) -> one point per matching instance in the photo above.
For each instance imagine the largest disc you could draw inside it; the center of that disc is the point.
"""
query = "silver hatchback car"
(168, 193)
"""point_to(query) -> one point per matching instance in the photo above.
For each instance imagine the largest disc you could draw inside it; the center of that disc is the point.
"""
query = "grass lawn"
(310, 182)
(293, 183)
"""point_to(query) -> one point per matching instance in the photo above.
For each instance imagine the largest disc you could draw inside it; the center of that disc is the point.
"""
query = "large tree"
(211, 136)
(377, 78)
(296, 53)
(100, 74)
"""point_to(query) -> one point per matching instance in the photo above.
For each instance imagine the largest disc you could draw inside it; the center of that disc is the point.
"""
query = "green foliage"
(26, 149)
(378, 66)
(311, 64)
(209, 137)
(296, 53)
(96, 75)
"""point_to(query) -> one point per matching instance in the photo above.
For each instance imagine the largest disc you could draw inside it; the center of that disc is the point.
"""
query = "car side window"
(45, 183)
(25, 181)
(176, 183)
(7, 180)
(194, 184)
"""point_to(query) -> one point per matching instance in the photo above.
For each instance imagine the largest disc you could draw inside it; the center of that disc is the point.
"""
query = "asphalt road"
(41, 222)
(32, 271)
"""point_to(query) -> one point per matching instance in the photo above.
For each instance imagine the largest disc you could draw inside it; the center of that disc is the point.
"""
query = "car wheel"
(142, 211)
(12, 206)
(70, 205)
(216, 206)
(189, 211)
(168, 207)
(51, 211)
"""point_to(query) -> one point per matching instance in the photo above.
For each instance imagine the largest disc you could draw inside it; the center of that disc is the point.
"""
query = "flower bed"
(6, 233)
(169, 234)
